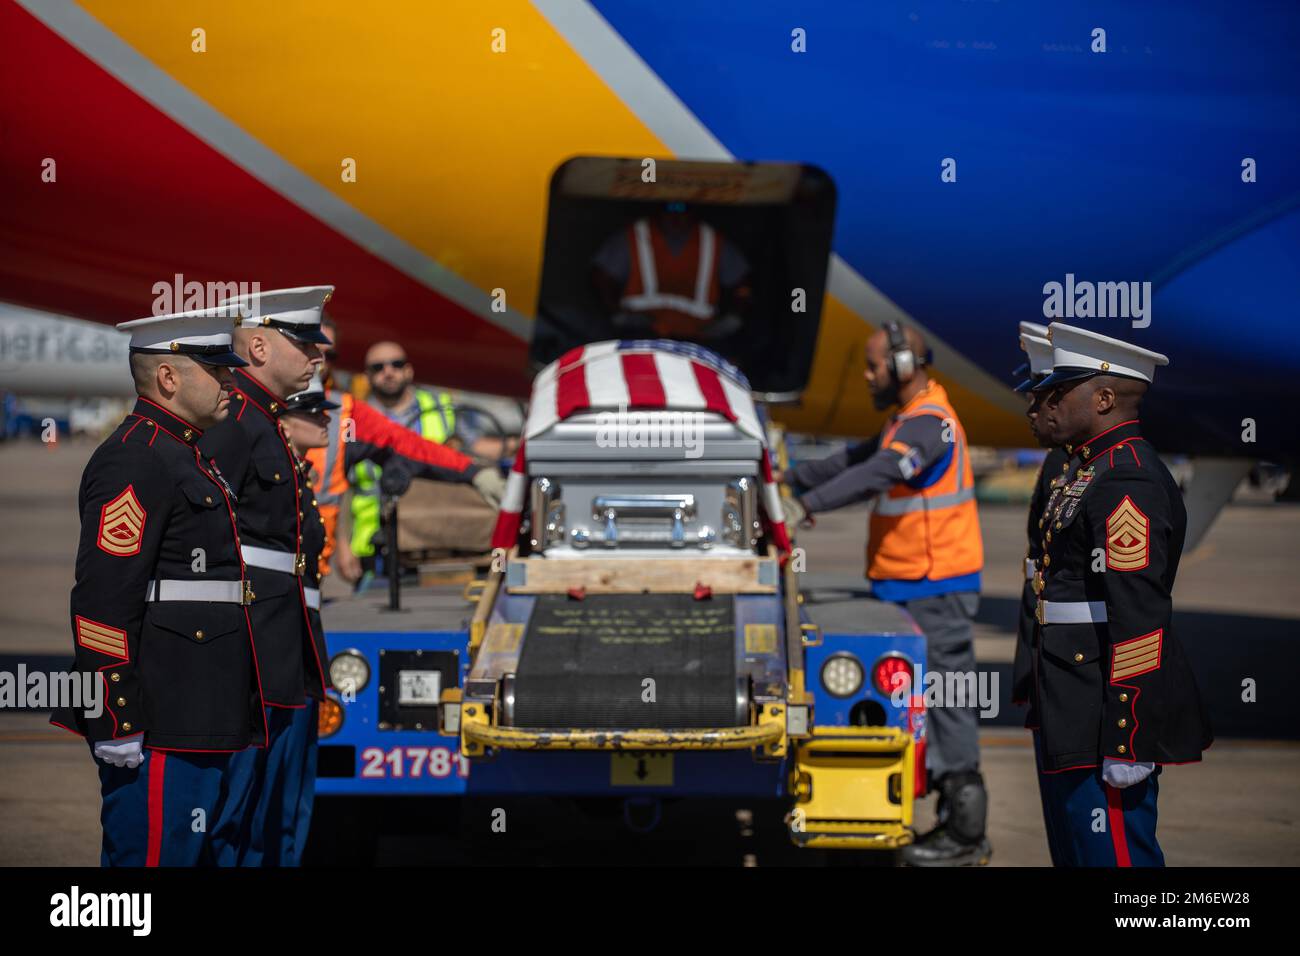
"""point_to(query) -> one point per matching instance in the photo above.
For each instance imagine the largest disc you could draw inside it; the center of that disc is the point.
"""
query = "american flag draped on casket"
(638, 374)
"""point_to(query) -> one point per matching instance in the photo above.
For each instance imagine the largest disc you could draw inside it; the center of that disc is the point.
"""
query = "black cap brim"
(1020, 371)
(229, 359)
(306, 333)
(311, 406)
(1062, 375)
(1028, 384)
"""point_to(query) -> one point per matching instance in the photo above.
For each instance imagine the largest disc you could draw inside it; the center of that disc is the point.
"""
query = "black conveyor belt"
(584, 662)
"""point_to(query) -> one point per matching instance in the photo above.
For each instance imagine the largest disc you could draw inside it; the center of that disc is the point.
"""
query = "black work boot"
(959, 839)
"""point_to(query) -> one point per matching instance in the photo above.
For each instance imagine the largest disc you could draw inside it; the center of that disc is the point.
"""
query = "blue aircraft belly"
(1122, 166)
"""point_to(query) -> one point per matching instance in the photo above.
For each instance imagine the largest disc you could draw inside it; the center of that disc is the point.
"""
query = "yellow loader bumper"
(853, 789)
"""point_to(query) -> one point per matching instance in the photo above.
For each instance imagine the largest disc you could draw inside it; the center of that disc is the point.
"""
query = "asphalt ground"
(1237, 613)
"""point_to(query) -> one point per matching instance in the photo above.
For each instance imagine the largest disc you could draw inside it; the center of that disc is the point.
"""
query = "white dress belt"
(285, 562)
(313, 598)
(1030, 568)
(1072, 612)
(226, 592)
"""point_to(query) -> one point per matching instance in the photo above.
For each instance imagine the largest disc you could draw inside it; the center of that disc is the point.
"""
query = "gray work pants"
(952, 733)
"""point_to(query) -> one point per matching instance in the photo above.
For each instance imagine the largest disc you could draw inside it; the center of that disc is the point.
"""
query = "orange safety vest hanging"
(679, 289)
(329, 472)
(927, 527)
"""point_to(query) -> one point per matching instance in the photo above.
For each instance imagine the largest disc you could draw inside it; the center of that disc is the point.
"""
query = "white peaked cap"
(1038, 357)
(1040, 353)
(1080, 353)
(294, 311)
(202, 334)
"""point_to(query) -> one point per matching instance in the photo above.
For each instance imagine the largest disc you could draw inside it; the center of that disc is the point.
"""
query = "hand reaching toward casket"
(489, 483)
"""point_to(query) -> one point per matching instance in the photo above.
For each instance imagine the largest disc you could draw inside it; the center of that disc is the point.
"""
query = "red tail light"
(884, 674)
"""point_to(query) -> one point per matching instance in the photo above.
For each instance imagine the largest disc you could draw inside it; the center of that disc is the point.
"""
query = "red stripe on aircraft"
(137, 198)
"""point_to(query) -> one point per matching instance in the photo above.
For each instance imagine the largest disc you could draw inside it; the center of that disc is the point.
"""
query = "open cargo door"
(772, 223)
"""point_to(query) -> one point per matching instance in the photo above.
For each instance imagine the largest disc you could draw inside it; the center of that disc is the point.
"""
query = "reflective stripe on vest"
(902, 506)
(929, 532)
(650, 297)
(334, 457)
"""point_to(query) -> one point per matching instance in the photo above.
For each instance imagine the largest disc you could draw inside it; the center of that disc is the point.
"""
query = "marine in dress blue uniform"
(1038, 365)
(275, 492)
(283, 819)
(1113, 691)
(159, 608)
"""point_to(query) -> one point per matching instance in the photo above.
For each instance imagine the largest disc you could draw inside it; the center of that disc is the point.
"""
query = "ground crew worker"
(673, 276)
(1113, 691)
(1038, 351)
(372, 438)
(925, 553)
(158, 608)
(394, 394)
(329, 483)
(279, 336)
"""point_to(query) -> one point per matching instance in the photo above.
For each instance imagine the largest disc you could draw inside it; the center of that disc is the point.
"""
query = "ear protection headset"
(903, 362)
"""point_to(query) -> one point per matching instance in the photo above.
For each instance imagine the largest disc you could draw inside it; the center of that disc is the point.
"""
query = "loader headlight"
(349, 672)
(842, 675)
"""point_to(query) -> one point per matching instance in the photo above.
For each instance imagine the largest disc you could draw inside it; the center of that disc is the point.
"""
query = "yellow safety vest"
(437, 423)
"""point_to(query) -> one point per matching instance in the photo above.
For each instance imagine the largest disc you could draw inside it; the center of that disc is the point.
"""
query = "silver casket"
(675, 478)
(629, 483)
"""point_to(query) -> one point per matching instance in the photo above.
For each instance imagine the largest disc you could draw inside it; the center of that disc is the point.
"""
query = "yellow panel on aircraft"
(838, 402)
(454, 142)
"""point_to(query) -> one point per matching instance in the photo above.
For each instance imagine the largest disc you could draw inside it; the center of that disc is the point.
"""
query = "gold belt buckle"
(249, 597)
(1038, 612)
(299, 563)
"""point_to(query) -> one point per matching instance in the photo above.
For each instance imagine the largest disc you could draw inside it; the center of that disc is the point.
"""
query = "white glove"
(121, 752)
(489, 483)
(1120, 774)
(794, 513)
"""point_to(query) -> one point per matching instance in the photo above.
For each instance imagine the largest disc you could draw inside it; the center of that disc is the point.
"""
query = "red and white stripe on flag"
(619, 375)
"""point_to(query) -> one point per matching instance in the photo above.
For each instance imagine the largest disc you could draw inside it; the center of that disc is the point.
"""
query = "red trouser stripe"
(1115, 804)
(157, 766)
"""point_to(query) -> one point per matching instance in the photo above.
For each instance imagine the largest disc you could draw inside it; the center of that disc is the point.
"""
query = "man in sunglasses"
(360, 435)
(394, 394)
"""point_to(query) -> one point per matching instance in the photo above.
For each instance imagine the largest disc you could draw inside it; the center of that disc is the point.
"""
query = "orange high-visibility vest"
(329, 473)
(927, 526)
(680, 290)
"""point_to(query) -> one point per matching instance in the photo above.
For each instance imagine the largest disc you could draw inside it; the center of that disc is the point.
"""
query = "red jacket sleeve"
(376, 438)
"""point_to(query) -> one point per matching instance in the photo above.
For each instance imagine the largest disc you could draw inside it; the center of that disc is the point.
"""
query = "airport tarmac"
(1238, 614)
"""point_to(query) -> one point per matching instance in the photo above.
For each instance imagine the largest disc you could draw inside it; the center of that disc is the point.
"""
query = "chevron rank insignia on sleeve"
(1128, 538)
(121, 525)
(1138, 656)
(101, 638)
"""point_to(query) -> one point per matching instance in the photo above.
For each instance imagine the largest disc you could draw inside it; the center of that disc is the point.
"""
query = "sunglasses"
(331, 355)
(375, 368)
